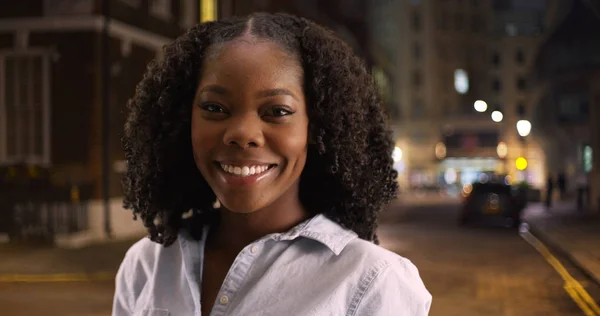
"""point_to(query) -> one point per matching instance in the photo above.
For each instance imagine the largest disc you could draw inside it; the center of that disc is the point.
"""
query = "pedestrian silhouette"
(549, 191)
(562, 185)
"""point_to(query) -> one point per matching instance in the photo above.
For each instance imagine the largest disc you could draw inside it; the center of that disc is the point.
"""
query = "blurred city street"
(477, 270)
(469, 270)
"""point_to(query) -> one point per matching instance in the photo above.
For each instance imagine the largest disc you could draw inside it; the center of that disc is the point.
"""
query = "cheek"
(203, 138)
(294, 145)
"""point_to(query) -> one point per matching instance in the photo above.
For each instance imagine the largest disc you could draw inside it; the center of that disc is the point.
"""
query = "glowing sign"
(461, 81)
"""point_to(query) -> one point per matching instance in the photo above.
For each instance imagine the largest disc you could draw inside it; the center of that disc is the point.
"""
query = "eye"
(213, 108)
(279, 112)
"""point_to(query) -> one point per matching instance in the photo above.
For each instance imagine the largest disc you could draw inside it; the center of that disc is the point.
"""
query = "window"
(458, 21)
(521, 84)
(416, 21)
(418, 109)
(132, 3)
(68, 7)
(521, 110)
(416, 79)
(496, 59)
(447, 109)
(161, 9)
(418, 137)
(496, 85)
(520, 57)
(476, 24)
(445, 20)
(25, 108)
(417, 51)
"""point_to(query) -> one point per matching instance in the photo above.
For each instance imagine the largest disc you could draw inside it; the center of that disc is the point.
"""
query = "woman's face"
(250, 124)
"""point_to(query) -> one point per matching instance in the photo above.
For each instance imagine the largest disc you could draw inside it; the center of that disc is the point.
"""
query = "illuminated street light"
(480, 106)
(523, 127)
(521, 163)
(397, 154)
(502, 149)
(497, 116)
(440, 150)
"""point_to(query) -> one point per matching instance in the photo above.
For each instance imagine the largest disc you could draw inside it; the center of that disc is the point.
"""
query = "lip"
(244, 162)
(234, 180)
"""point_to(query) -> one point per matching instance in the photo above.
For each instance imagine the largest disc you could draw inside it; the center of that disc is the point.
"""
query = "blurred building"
(346, 18)
(567, 72)
(454, 53)
(53, 67)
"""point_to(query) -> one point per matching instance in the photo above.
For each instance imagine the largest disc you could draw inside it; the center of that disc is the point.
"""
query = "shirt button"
(224, 299)
(254, 249)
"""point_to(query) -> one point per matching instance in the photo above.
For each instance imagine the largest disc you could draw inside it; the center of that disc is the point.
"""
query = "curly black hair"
(349, 173)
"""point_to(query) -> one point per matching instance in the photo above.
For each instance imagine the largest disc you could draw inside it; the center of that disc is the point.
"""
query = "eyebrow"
(262, 94)
(214, 89)
(276, 92)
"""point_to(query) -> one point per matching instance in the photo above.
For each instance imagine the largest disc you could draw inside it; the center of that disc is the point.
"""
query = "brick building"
(52, 57)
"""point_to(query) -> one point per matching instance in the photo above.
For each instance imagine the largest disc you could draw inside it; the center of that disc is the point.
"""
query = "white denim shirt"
(316, 268)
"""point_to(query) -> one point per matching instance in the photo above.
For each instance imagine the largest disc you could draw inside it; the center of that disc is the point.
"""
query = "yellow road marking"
(579, 295)
(56, 277)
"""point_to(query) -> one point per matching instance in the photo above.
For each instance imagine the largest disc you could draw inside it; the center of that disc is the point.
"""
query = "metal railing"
(42, 221)
(33, 209)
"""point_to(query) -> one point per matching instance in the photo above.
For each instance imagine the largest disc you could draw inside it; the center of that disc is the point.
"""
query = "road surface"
(476, 270)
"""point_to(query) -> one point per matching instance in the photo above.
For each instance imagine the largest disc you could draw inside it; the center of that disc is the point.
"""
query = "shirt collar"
(318, 228)
(321, 229)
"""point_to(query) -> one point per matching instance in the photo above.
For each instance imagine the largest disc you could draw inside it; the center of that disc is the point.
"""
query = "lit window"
(161, 8)
(461, 81)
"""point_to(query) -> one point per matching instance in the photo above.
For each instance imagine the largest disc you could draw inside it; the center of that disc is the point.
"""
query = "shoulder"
(143, 262)
(389, 282)
(144, 254)
(141, 252)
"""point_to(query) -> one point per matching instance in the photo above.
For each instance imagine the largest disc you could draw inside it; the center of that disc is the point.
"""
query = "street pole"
(105, 64)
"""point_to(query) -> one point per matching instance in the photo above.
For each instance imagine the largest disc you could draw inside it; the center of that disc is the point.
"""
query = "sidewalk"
(575, 234)
(98, 258)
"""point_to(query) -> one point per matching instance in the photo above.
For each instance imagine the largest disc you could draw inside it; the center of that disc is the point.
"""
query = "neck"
(237, 230)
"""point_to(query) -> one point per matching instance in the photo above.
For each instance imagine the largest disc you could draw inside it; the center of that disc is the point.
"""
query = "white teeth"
(245, 170)
(237, 171)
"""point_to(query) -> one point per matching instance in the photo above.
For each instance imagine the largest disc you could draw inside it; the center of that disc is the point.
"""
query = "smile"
(246, 171)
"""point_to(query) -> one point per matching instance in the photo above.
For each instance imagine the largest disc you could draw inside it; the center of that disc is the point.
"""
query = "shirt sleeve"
(123, 299)
(396, 290)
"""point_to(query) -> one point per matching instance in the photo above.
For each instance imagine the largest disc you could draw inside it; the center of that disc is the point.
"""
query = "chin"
(241, 206)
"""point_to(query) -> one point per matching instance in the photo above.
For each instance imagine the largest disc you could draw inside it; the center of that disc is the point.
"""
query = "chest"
(214, 271)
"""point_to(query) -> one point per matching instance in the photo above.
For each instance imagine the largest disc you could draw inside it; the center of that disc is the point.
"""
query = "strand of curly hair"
(349, 173)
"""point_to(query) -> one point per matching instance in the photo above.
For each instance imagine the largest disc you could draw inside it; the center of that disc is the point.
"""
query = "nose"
(244, 131)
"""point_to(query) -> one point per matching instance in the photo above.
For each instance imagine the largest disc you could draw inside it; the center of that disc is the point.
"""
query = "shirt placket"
(235, 278)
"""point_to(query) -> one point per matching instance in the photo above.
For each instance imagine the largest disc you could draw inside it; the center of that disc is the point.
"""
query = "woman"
(258, 159)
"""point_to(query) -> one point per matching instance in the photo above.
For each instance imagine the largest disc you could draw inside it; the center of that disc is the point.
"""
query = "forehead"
(250, 57)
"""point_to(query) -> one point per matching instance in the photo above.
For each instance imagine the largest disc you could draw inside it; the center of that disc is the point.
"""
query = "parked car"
(494, 204)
